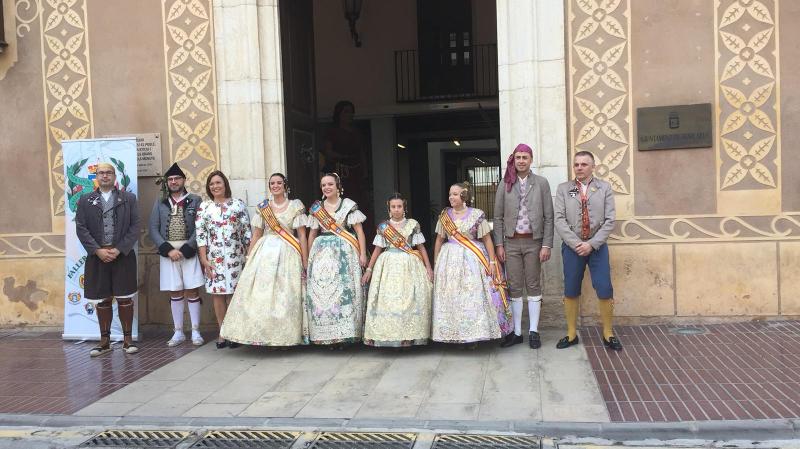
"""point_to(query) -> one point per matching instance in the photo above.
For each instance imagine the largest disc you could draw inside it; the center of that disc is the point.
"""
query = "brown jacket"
(540, 210)
(601, 207)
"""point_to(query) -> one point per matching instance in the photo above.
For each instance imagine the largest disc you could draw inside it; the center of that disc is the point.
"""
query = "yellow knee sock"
(571, 312)
(607, 316)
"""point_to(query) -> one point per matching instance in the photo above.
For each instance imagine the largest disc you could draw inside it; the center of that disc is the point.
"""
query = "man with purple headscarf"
(523, 235)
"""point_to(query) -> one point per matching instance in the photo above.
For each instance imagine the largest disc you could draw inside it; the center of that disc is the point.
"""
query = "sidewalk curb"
(727, 430)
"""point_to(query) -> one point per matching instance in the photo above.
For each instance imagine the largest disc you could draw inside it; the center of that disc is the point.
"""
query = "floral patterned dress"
(466, 306)
(399, 300)
(267, 307)
(334, 295)
(224, 229)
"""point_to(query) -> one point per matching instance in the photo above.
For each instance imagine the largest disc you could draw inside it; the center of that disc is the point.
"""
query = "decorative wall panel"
(67, 87)
(191, 88)
(748, 107)
(599, 85)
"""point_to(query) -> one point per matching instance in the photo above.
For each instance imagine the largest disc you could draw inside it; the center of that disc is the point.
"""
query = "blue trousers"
(575, 267)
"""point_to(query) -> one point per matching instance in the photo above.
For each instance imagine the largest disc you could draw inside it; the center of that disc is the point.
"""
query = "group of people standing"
(295, 276)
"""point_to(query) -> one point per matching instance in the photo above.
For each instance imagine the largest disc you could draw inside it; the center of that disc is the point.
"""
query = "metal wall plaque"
(148, 153)
(673, 127)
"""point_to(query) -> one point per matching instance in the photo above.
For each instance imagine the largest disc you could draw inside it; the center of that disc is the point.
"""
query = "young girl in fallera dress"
(468, 301)
(338, 251)
(400, 276)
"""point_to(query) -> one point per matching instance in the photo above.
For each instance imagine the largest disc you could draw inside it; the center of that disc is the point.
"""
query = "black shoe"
(566, 342)
(511, 340)
(233, 344)
(222, 344)
(613, 343)
(534, 341)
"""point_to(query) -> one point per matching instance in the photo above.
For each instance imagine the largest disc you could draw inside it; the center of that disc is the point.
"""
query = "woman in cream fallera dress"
(466, 306)
(267, 307)
(399, 299)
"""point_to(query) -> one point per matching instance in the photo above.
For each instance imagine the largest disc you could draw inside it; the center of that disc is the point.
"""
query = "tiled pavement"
(725, 372)
(41, 373)
(737, 371)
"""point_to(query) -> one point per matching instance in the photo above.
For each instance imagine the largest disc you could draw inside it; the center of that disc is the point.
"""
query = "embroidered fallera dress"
(267, 307)
(224, 229)
(399, 300)
(334, 295)
(466, 306)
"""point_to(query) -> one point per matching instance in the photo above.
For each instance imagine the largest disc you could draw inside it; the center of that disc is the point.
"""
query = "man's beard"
(176, 189)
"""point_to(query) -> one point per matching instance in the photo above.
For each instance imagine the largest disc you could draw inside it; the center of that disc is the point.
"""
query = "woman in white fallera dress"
(267, 307)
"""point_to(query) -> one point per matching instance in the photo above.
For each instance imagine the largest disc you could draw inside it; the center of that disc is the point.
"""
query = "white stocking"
(516, 312)
(534, 310)
(177, 313)
(194, 312)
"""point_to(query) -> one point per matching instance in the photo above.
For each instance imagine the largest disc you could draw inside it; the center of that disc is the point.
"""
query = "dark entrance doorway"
(431, 161)
(299, 96)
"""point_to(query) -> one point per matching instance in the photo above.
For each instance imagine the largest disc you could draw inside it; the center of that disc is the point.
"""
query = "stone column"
(251, 131)
(533, 108)
(383, 163)
(531, 80)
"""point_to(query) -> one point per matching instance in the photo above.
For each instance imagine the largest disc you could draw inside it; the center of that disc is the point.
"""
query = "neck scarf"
(510, 176)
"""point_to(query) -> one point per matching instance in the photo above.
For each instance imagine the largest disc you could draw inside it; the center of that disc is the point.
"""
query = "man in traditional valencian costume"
(523, 233)
(173, 232)
(585, 214)
(107, 224)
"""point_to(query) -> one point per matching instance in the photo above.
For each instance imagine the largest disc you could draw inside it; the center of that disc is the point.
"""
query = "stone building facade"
(702, 234)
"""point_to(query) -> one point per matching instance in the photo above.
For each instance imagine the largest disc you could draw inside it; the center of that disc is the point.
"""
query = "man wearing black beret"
(172, 230)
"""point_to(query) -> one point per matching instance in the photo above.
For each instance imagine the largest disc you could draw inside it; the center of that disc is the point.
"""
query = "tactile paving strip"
(247, 439)
(138, 439)
(365, 440)
(486, 441)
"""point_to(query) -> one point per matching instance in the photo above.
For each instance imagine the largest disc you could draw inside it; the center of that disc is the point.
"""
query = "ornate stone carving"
(67, 85)
(20, 246)
(707, 228)
(26, 12)
(599, 86)
(748, 114)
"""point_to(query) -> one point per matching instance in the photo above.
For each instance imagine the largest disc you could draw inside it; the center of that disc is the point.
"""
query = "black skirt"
(104, 280)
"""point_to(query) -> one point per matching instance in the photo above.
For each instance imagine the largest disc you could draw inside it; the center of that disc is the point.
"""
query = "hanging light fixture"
(352, 11)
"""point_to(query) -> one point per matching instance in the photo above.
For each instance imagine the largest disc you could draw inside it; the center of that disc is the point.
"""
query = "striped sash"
(498, 280)
(275, 225)
(329, 224)
(391, 235)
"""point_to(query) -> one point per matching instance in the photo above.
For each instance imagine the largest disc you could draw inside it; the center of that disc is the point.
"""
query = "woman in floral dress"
(334, 295)
(267, 307)
(223, 235)
(399, 299)
(467, 303)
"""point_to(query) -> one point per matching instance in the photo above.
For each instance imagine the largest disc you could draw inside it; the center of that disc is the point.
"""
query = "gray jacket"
(540, 210)
(89, 222)
(159, 219)
(601, 208)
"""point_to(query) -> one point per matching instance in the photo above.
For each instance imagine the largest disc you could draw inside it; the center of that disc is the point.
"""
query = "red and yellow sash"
(275, 225)
(391, 235)
(498, 281)
(329, 224)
